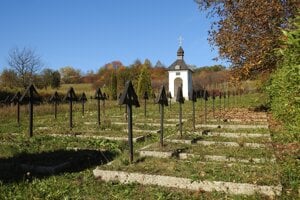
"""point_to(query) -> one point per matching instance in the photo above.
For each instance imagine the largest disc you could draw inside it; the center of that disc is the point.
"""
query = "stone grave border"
(186, 183)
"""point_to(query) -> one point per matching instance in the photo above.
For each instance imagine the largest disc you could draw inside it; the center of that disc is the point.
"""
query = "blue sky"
(86, 34)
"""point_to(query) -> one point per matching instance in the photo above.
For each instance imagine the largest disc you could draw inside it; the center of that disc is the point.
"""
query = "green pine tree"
(144, 82)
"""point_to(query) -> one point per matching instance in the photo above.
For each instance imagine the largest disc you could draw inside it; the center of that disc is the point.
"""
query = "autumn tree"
(112, 76)
(69, 75)
(247, 32)
(9, 78)
(26, 63)
(159, 77)
(89, 77)
(209, 76)
(113, 86)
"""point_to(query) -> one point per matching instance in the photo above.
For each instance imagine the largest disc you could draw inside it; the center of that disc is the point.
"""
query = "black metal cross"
(205, 97)
(213, 102)
(180, 100)
(220, 113)
(129, 98)
(55, 99)
(83, 99)
(145, 97)
(16, 101)
(71, 96)
(104, 98)
(194, 99)
(31, 96)
(98, 96)
(170, 98)
(162, 100)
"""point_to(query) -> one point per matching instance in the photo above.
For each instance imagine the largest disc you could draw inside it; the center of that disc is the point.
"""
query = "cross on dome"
(180, 39)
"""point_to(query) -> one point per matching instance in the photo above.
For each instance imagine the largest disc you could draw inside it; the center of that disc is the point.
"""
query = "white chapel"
(180, 75)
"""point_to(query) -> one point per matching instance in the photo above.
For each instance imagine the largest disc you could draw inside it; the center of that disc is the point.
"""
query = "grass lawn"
(21, 155)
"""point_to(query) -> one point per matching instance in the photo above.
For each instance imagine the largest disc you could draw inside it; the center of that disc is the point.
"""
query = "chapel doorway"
(177, 83)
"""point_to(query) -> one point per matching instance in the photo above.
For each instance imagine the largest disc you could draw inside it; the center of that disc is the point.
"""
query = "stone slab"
(136, 139)
(210, 143)
(241, 120)
(231, 159)
(43, 128)
(148, 124)
(143, 131)
(230, 126)
(160, 154)
(238, 135)
(188, 184)
(90, 123)
(175, 120)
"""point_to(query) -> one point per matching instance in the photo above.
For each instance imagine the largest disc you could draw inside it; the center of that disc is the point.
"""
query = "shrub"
(284, 85)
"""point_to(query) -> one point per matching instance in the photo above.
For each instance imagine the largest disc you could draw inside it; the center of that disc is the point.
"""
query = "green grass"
(82, 184)
(13, 145)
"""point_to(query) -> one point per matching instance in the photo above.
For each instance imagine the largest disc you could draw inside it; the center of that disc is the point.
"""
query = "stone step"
(260, 121)
(168, 154)
(237, 135)
(148, 124)
(210, 143)
(188, 184)
(142, 131)
(135, 139)
(230, 126)
(230, 135)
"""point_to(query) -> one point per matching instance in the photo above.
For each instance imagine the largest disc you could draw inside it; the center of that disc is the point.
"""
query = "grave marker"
(201, 104)
(70, 96)
(31, 96)
(235, 94)
(170, 98)
(129, 98)
(205, 97)
(55, 99)
(83, 99)
(162, 100)
(194, 99)
(98, 96)
(104, 98)
(180, 100)
(213, 102)
(241, 91)
(228, 95)
(224, 100)
(119, 99)
(220, 112)
(16, 100)
(145, 97)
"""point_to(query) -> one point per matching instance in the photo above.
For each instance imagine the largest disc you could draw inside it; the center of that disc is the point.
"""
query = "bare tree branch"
(25, 63)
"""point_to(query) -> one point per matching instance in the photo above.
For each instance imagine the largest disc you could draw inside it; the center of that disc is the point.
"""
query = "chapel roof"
(179, 64)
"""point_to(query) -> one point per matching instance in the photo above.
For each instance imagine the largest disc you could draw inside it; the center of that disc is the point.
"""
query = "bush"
(284, 85)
